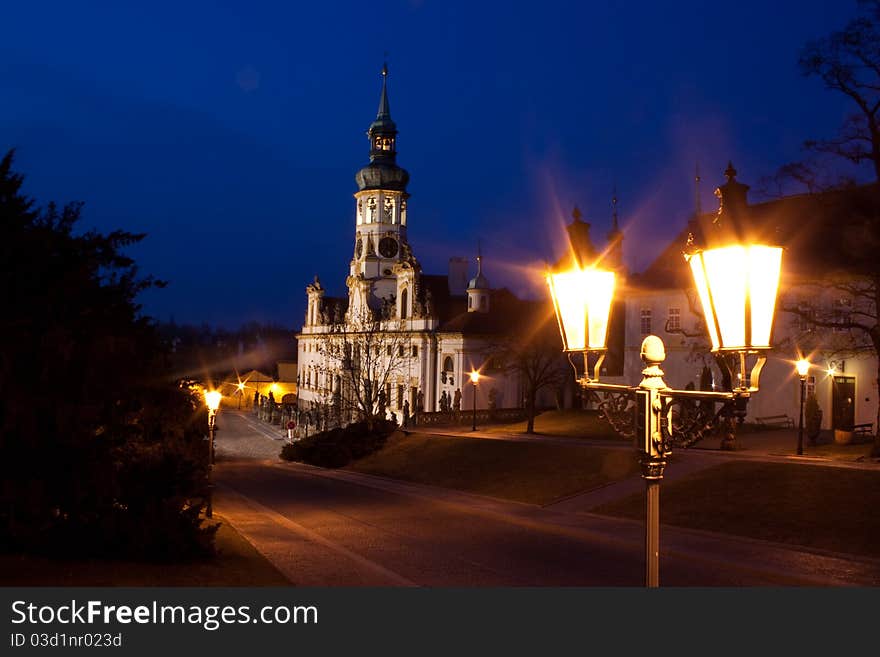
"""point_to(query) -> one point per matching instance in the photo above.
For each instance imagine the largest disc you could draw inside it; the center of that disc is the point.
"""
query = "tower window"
(404, 300)
(415, 351)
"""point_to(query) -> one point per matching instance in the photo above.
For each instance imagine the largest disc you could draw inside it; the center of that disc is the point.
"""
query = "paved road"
(337, 528)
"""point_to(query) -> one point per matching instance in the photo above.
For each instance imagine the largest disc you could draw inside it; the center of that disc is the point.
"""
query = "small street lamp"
(240, 393)
(737, 286)
(212, 400)
(475, 379)
(803, 368)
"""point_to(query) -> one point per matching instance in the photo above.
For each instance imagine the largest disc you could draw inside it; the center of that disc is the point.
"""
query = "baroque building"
(430, 331)
(822, 300)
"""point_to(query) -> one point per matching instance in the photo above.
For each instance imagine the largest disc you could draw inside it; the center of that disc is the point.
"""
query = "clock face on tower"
(388, 247)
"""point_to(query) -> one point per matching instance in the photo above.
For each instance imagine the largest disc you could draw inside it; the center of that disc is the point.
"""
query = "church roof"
(508, 314)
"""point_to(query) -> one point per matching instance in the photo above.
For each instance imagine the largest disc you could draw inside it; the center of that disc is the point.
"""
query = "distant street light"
(240, 393)
(475, 379)
(803, 368)
(212, 400)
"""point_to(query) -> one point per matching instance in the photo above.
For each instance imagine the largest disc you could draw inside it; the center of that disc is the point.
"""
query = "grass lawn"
(570, 423)
(237, 564)
(812, 506)
(523, 471)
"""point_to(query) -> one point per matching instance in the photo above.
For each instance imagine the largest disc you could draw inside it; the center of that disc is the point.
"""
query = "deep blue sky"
(230, 132)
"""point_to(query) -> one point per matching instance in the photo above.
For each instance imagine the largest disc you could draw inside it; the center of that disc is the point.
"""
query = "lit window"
(811, 385)
(673, 319)
(645, 321)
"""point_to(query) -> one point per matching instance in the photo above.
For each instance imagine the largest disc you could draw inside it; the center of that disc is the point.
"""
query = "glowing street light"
(240, 387)
(212, 401)
(475, 379)
(803, 368)
(737, 285)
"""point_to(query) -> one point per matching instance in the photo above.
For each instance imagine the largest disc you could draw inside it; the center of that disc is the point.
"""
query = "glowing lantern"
(582, 300)
(737, 287)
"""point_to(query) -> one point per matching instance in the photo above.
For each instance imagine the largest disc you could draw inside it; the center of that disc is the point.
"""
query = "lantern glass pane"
(600, 287)
(764, 267)
(726, 276)
(571, 309)
(696, 263)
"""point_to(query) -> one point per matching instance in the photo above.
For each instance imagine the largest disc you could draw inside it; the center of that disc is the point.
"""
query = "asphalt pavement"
(338, 528)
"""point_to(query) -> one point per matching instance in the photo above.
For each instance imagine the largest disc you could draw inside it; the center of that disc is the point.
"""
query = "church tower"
(380, 216)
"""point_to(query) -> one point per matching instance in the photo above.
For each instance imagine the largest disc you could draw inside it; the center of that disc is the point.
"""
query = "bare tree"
(838, 302)
(361, 355)
(848, 61)
(532, 353)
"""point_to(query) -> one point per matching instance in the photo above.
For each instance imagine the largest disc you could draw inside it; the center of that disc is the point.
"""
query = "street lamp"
(475, 379)
(803, 368)
(212, 400)
(737, 286)
(240, 393)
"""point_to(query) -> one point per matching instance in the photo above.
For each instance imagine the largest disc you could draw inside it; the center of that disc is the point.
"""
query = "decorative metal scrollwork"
(685, 418)
(617, 409)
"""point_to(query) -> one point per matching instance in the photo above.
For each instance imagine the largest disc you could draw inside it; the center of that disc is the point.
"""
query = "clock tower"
(380, 214)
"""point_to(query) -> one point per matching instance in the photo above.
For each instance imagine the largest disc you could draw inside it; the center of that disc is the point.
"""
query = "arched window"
(404, 299)
(447, 365)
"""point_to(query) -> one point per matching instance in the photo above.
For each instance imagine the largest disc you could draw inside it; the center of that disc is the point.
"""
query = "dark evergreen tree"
(100, 450)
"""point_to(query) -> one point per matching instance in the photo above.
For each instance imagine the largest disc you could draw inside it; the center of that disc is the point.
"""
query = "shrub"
(336, 448)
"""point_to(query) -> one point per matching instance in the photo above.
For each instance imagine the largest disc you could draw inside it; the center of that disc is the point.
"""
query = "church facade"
(431, 331)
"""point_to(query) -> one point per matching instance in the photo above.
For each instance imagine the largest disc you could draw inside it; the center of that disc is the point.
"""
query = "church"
(411, 339)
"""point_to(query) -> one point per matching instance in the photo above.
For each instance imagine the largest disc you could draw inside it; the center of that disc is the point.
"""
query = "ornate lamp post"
(212, 400)
(803, 368)
(737, 286)
(475, 379)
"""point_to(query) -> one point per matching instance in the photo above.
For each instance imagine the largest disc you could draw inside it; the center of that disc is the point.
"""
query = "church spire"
(383, 131)
(384, 113)
(614, 251)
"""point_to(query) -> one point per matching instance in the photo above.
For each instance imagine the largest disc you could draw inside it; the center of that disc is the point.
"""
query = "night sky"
(230, 132)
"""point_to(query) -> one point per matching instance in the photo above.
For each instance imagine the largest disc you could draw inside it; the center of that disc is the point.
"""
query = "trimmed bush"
(337, 448)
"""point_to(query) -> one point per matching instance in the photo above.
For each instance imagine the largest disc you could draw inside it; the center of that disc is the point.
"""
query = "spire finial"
(576, 214)
(479, 258)
(614, 225)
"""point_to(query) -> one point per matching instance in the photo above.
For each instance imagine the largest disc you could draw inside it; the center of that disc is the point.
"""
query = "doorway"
(843, 395)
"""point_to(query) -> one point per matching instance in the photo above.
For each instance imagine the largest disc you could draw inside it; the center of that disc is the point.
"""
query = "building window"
(811, 386)
(388, 393)
(400, 350)
(673, 320)
(482, 303)
(388, 349)
(404, 298)
(645, 321)
(415, 351)
(470, 302)
(401, 395)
